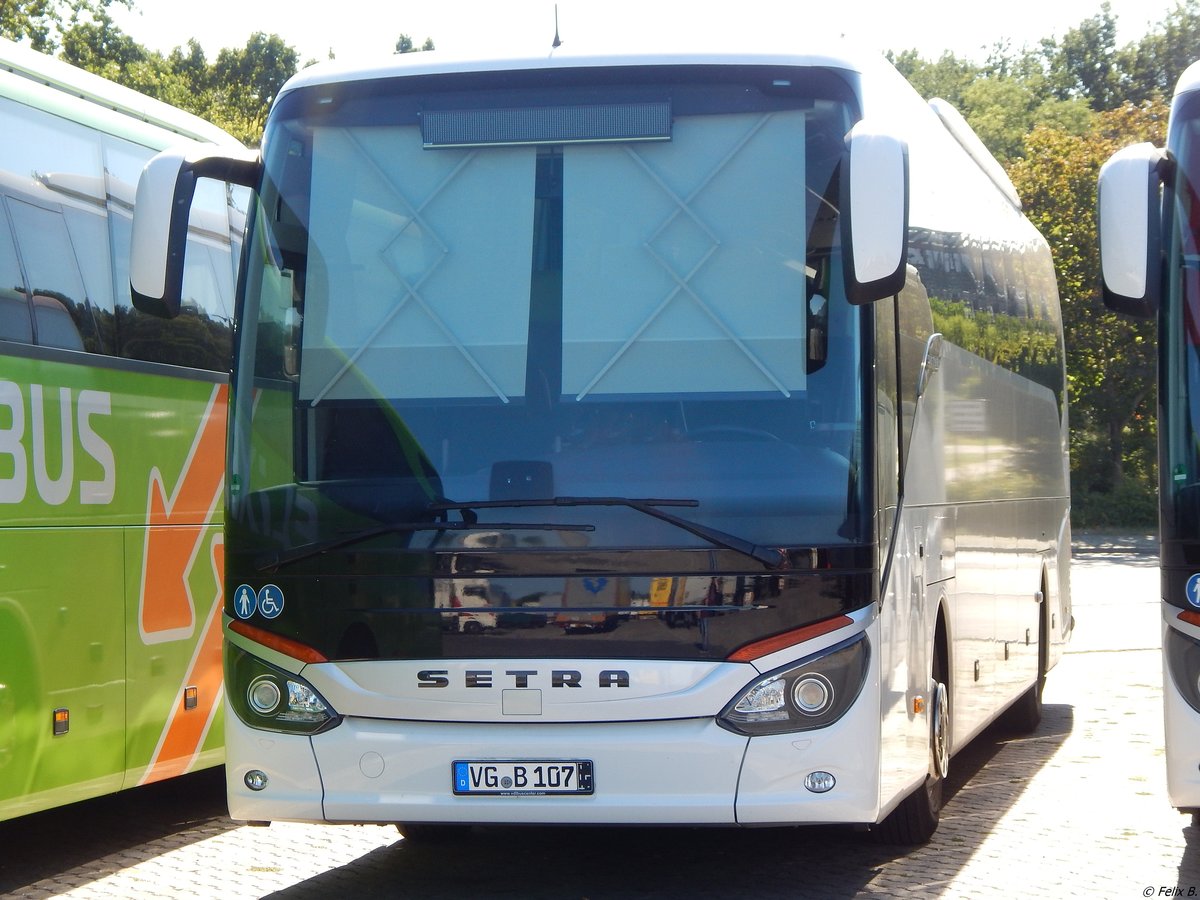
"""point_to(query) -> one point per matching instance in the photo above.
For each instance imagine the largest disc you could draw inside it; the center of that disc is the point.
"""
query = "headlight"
(267, 697)
(813, 693)
(264, 695)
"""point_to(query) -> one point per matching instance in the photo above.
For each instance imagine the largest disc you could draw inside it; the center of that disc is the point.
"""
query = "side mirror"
(1129, 202)
(160, 219)
(874, 213)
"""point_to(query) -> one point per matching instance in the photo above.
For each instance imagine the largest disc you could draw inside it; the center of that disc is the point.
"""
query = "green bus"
(112, 431)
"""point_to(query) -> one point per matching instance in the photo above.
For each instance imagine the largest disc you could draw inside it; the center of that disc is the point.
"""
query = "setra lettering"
(521, 678)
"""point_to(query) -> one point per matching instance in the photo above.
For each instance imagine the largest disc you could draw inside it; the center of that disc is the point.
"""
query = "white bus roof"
(70, 81)
(762, 50)
(1189, 80)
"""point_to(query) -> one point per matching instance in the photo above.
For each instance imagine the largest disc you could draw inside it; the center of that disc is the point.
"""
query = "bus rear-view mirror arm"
(1129, 200)
(874, 213)
(160, 219)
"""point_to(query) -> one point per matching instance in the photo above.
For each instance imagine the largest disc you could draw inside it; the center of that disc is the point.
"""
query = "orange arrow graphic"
(186, 729)
(175, 528)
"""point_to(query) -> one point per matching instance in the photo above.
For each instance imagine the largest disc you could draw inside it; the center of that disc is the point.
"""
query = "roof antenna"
(557, 40)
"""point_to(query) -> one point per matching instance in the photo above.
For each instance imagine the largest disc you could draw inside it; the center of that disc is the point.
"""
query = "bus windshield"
(462, 300)
(1181, 335)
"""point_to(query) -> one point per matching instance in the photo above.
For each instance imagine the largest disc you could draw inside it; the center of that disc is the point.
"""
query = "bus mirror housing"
(874, 213)
(1129, 203)
(160, 219)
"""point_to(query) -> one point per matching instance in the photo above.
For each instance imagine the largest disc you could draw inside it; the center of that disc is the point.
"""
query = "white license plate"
(522, 778)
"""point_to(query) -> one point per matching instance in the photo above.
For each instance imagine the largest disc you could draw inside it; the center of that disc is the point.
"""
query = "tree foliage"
(404, 44)
(1052, 114)
(39, 23)
(1110, 358)
(233, 91)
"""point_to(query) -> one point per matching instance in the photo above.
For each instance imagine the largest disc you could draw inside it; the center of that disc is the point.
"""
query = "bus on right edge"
(1149, 212)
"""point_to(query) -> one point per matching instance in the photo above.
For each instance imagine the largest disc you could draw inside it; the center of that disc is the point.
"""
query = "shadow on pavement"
(87, 832)
(1189, 866)
(544, 862)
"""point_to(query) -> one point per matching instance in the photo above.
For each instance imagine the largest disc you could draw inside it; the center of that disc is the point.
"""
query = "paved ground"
(1078, 809)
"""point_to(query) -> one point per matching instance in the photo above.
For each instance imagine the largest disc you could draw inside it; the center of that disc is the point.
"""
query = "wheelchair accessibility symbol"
(270, 601)
(267, 600)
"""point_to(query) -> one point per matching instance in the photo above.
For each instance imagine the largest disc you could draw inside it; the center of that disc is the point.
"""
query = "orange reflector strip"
(1192, 618)
(751, 652)
(278, 643)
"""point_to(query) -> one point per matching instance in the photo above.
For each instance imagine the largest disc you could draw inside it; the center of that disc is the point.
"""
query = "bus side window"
(89, 237)
(15, 321)
(50, 262)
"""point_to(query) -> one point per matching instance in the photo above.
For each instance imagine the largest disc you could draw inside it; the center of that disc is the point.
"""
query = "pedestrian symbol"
(1192, 590)
(270, 601)
(245, 601)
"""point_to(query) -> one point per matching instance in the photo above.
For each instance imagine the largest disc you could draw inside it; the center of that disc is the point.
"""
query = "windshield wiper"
(269, 562)
(772, 557)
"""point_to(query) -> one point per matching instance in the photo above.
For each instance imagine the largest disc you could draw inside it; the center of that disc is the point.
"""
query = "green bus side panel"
(111, 564)
(62, 646)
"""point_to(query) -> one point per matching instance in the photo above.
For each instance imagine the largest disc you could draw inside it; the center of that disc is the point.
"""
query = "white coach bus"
(572, 324)
(1150, 255)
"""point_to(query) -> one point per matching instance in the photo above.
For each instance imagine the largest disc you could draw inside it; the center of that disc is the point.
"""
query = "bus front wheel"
(916, 819)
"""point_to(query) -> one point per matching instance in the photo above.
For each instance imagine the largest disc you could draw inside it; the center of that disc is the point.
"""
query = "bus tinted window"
(62, 181)
(15, 323)
(54, 278)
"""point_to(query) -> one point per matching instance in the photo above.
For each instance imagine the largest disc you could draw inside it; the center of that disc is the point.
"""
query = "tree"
(405, 45)
(235, 92)
(1000, 110)
(38, 22)
(246, 81)
(100, 47)
(1110, 358)
(947, 78)
(1085, 62)
(1154, 63)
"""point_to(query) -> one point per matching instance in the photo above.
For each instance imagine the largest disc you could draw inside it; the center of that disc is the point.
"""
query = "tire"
(916, 819)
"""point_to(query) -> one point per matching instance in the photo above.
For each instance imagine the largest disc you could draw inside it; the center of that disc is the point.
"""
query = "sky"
(371, 27)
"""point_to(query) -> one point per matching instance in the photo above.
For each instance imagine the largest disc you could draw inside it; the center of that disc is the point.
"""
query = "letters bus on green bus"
(112, 428)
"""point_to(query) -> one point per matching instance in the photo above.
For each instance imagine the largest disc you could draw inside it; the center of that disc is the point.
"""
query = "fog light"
(256, 780)
(819, 782)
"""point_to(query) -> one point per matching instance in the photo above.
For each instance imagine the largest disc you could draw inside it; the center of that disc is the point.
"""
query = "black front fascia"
(635, 603)
(1180, 560)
